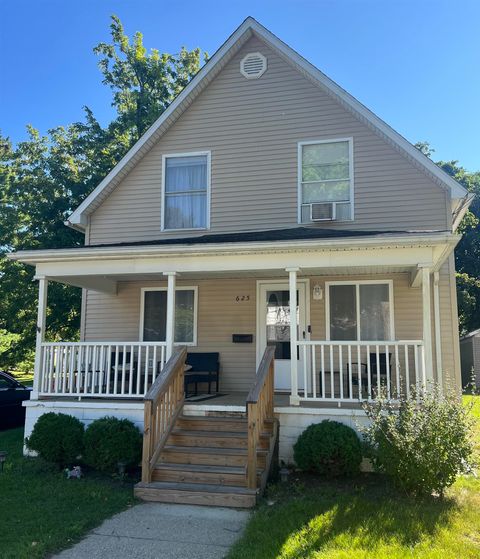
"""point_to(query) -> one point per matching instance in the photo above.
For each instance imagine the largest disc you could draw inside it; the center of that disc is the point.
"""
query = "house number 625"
(239, 298)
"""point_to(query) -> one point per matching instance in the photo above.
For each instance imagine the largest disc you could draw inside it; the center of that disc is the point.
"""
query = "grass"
(364, 519)
(41, 511)
(23, 377)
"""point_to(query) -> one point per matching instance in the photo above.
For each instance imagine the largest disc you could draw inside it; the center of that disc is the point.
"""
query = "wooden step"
(205, 423)
(209, 456)
(216, 439)
(196, 494)
(200, 473)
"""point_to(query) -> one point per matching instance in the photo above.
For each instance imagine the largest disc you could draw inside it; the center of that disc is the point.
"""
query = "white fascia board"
(91, 252)
(250, 24)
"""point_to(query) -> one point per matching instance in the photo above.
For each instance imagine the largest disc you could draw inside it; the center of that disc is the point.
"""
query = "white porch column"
(292, 276)
(427, 323)
(170, 327)
(438, 331)
(41, 321)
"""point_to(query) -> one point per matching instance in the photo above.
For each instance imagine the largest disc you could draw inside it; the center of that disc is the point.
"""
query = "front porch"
(368, 316)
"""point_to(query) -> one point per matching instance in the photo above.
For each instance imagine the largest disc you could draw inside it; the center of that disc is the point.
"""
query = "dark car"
(12, 394)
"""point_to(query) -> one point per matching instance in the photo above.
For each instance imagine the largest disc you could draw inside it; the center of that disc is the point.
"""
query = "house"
(263, 183)
(470, 358)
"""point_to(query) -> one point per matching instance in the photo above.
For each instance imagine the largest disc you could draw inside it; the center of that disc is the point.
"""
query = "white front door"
(273, 327)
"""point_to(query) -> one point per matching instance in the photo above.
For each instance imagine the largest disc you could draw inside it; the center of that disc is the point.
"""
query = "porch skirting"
(292, 419)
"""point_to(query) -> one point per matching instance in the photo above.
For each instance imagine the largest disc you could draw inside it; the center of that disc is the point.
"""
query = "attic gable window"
(186, 186)
(326, 179)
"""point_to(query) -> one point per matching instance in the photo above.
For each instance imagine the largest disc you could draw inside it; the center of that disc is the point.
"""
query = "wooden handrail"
(163, 404)
(259, 405)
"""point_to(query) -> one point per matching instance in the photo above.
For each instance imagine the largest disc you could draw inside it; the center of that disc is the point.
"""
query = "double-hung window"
(326, 176)
(360, 311)
(186, 179)
(154, 315)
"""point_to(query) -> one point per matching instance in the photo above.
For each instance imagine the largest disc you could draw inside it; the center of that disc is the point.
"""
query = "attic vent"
(253, 65)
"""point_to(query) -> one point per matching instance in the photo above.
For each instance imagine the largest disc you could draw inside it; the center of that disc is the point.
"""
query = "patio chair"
(205, 367)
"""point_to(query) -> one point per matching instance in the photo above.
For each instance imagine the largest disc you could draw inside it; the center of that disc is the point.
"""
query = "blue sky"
(415, 63)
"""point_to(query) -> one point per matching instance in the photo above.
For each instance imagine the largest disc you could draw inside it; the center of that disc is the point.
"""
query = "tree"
(44, 178)
(143, 84)
(467, 253)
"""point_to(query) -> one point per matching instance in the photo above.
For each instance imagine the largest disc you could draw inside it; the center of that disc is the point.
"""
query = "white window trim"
(193, 288)
(357, 285)
(165, 156)
(350, 169)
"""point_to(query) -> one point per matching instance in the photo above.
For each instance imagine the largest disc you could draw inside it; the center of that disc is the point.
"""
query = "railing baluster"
(314, 372)
(397, 372)
(369, 374)
(139, 368)
(124, 369)
(147, 365)
(154, 365)
(109, 369)
(407, 371)
(417, 376)
(379, 385)
(340, 370)
(387, 360)
(305, 385)
(130, 378)
(94, 368)
(323, 369)
(359, 371)
(332, 380)
(350, 372)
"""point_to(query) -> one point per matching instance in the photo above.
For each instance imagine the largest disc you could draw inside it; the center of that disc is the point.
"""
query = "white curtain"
(186, 192)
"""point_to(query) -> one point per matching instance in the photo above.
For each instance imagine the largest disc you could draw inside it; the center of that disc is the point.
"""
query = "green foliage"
(467, 253)
(58, 438)
(328, 448)
(110, 440)
(144, 84)
(44, 178)
(423, 443)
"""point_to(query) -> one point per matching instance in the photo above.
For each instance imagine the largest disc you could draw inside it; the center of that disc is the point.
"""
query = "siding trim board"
(247, 29)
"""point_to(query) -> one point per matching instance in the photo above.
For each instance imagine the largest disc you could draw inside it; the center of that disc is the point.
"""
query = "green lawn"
(363, 519)
(41, 511)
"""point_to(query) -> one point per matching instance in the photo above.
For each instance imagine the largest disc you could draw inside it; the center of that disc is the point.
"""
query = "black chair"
(205, 367)
(382, 362)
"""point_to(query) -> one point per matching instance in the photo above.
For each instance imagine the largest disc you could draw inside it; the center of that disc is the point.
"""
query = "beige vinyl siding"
(252, 128)
(116, 318)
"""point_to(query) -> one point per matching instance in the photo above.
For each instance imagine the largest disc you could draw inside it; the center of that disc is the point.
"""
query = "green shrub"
(57, 438)
(328, 448)
(110, 440)
(422, 443)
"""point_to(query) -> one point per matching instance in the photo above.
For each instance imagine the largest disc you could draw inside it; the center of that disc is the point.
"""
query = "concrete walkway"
(162, 531)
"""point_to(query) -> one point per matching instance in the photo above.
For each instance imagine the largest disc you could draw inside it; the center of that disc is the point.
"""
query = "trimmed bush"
(423, 443)
(58, 438)
(329, 448)
(110, 440)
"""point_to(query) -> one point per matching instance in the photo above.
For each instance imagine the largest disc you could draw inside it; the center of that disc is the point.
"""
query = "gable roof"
(250, 27)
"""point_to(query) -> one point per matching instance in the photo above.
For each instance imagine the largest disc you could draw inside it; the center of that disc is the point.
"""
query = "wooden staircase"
(206, 460)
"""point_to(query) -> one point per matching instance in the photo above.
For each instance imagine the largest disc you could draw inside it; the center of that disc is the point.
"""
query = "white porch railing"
(349, 371)
(99, 369)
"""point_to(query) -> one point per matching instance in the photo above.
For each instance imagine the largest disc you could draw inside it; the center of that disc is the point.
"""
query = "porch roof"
(286, 234)
(266, 253)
